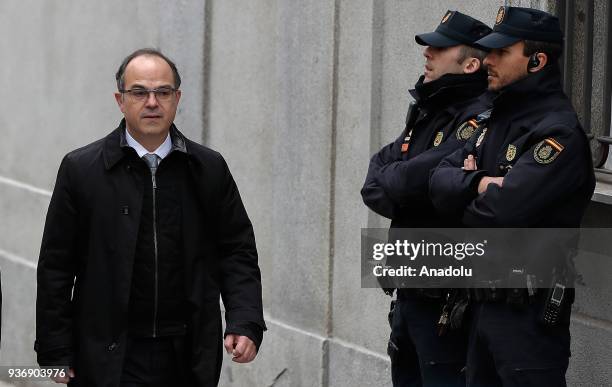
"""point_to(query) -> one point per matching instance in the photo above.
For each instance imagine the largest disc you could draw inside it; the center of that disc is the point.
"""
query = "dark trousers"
(419, 357)
(154, 362)
(509, 347)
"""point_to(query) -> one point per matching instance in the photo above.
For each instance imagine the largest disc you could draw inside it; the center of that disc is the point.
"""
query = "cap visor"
(435, 39)
(497, 40)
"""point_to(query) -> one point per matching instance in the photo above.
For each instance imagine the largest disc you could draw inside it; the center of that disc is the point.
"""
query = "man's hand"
(242, 348)
(485, 181)
(64, 379)
(469, 164)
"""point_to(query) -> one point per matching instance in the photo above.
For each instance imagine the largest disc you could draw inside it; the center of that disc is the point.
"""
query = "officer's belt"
(492, 291)
(426, 293)
(431, 293)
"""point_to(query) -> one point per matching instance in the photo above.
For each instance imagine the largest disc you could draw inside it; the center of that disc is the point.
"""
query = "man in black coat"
(528, 166)
(448, 99)
(145, 231)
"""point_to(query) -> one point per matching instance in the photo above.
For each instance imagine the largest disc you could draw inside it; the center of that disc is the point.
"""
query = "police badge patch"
(547, 151)
(511, 152)
(438, 138)
(445, 18)
(466, 130)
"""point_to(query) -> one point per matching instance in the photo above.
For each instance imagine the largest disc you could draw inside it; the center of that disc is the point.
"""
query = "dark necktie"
(152, 161)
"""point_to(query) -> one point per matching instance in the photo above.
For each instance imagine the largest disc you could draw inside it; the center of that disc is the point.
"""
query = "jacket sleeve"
(239, 272)
(373, 193)
(56, 273)
(531, 188)
(406, 182)
(451, 188)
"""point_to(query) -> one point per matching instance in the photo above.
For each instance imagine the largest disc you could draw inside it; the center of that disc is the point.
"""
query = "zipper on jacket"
(155, 256)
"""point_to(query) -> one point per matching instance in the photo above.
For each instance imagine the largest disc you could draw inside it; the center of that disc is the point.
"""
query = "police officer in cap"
(397, 184)
(528, 166)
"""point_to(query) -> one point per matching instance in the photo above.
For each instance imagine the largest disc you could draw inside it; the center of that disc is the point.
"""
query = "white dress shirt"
(162, 151)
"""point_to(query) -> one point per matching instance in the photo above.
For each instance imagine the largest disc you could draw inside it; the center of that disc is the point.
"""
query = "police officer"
(446, 98)
(528, 166)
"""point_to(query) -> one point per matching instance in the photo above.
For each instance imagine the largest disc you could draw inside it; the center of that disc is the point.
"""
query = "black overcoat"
(87, 253)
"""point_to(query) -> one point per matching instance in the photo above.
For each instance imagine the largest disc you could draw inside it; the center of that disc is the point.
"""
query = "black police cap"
(455, 28)
(515, 23)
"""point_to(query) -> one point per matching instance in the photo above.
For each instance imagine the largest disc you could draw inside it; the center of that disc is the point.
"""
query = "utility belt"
(484, 294)
(518, 296)
(520, 290)
(422, 293)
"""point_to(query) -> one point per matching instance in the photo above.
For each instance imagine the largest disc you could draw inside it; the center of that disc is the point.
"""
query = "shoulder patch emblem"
(511, 152)
(467, 130)
(547, 151)
(500, 15)
(438, 138)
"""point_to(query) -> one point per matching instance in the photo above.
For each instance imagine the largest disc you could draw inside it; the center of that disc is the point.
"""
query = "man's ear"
(541, 60)
(119, 99)
(471, 65)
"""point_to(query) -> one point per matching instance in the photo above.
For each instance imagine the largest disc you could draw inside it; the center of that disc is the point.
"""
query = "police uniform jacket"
(534, 140)
(397, 182)
(89, 241)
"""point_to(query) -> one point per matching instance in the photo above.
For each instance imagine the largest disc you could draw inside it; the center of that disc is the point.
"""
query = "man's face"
(506, 65)
(440, 61)
(150, 116)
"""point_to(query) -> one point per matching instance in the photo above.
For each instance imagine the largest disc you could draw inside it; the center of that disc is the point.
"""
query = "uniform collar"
(116, 144)
(449, 89)
(533, 86)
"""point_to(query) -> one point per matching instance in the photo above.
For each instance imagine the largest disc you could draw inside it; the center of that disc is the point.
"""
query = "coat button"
(112, 347)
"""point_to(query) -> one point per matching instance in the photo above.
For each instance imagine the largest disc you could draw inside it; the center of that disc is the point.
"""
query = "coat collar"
(448, 90)
(116, 146)
(531, 88)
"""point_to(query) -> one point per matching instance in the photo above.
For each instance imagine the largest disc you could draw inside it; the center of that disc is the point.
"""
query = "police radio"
(553, 304)
(412, 114)
(534, 61)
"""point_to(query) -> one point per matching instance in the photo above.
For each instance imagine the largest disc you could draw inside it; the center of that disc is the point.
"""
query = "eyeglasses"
(162, 94)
